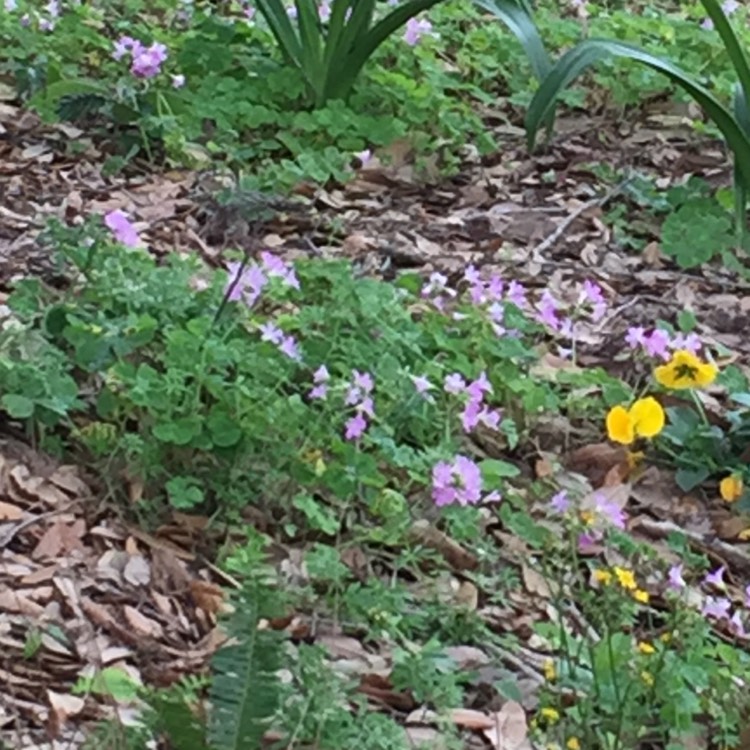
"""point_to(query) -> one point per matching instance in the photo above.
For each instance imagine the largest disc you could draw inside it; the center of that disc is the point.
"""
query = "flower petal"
(731, 488)
(647, 416)
(620, 426)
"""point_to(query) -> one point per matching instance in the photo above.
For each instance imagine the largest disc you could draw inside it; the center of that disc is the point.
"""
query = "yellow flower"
(731, 488)
(646, 648)
(648, 678)
(550, 714)
(587, 517)
(665, 637)
(641, 596)
(573, 744)
(625, 578)
(685, 370)
(645, 418)
(550, 674)
(602, 576)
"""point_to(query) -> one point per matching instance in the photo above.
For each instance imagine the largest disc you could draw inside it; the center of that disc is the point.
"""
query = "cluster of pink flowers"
(659, 344)
(475, 411)
(285, 343)
(458, 481)
(145, 62)
(606, 514)
(247, 284)
(416, 28)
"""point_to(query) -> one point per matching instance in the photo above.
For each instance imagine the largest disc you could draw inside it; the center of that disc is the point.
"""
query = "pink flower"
(290, 347)
(547, 308)
(516, 294)
(470, 415)
(454, 384)
(366, 406)
(355, 427)
(560, 502)
(318, 392)
(591, 292)
(363, 156)
(122, 229)
(716, 578)
(690, 342)
(635, 337)
(495, 288)
(147, 61)
(421, 383)
(657, 343)
(716, 608)
(178, 81)
(737, 626)
(275, 266)
(477, 388)
(272, 333)
(707, 24)
(459, 481)
(248, 287)
(675, 579)
(415, 30)
(610, 511)
(472, 275)
(122, 46)
(730, 6)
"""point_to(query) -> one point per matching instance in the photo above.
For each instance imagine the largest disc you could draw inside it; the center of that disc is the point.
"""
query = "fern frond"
(245, 690)
(174, 719)
(75, 107)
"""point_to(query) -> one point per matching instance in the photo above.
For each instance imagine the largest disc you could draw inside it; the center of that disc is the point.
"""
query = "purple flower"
(472, 275)
(275, 266)
(516, 294)
(716, 608)
(11, 5)
(716, 578)
(690, 342)
(747, 595)
(587, 540)
(470, 415)
(477, 388)
(416, 29)
(147, 61)
(459, 481)
(319, 392)
(707, 24)
(248, 286)
(490, 418)
(421, 383)
(611, 511)
(635, 337)
(675, 579)
(560, 502)
(363, 156)
(122, 46)
(363, 381)
(547, 308)
(454, 384)
(591, 292)
(289, 347)
(291, 11)
(730, 6)
(495, 287)
(324, 11)
(321, 375)
(355, 426)
(53, 8)
(271, 332)
(122, 229)
(366, 406)
(657, 343)
(737, 626)
(178, 81)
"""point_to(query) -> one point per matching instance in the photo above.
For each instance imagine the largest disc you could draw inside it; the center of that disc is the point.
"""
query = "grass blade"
(731, 43)
(590, 51)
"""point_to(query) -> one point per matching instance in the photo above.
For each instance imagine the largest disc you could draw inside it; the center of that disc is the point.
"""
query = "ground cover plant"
(380, 513)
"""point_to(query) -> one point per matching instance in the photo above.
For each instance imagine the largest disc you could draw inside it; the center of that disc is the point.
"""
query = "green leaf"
(694, 233)
(591, 51)
(17, 406)
(180, 431)
(689, 479)
(318, 516)
(494, 468)
(184, 493)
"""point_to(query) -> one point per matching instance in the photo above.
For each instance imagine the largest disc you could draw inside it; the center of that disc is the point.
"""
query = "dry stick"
(600, 201)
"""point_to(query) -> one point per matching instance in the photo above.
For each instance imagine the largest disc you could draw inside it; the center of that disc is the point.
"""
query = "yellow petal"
(665, 375)
(706, 374)
(620, 426)
(731, 488)
(647, 416)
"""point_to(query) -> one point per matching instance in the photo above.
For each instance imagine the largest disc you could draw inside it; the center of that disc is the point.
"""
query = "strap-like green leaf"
(590, 51)
(281, 27)
(362, 48)
(311, 39)
(731, 43)
(516, 15)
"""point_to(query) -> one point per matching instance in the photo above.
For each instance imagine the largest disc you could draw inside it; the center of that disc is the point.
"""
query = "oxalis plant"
(330, 44)
(733, 120)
